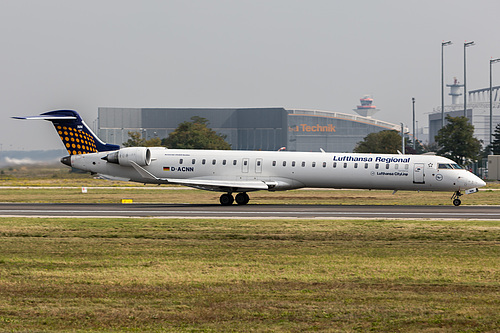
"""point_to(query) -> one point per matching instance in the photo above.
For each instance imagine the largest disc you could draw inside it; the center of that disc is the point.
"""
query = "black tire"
(457, 202)
(226, 199)
(242, 198)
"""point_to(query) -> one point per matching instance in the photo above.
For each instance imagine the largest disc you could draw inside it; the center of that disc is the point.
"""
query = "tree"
(153, 142)
(387, 142)
(494, 147)
(195, 134)
(457, 142)
(136, 140)
(431, 147)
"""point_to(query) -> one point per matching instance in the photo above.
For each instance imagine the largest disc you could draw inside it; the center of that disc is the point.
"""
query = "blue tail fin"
(76, 136)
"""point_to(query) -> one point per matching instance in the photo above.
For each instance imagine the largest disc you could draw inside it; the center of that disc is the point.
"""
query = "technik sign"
(312, 128)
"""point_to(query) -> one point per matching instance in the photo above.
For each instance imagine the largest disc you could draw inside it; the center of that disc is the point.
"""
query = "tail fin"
(76, 136)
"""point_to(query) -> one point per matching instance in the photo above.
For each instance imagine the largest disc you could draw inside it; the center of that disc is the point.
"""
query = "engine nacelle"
(124, 156)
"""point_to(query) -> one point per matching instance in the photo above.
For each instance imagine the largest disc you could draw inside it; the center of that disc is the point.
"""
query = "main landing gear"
(227, 199)
(455, 198)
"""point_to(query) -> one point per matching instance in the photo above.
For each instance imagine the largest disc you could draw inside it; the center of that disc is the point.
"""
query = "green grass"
(248, 275)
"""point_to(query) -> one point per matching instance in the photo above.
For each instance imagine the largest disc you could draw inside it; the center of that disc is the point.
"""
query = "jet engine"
(125, 156)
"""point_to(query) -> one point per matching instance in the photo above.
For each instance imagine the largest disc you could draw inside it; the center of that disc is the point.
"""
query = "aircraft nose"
(475, 181)
(480, 183)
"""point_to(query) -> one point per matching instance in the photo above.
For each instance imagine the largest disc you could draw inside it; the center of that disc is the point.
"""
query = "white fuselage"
(288, 170)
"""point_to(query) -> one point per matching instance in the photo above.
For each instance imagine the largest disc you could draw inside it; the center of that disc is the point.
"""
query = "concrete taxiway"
(251, 211)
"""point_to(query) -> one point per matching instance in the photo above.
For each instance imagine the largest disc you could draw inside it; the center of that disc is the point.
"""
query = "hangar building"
(247, 128)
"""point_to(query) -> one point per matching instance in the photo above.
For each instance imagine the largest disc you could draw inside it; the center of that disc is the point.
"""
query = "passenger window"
(235, 162)
(407, 166)
(193, 161)
(245, 162)
(284, 163)
(345, 165)
(180, 161)
(324, 164)
(293, 163)
(355, 165)
(303, 163)
(258, 163)
(387, 166)
(376, 166)
(223, 162)
(203, 161)
(366, 165)
(334, 164)
(396, 166)
(274, 163)
(313, 164)
(214, 161)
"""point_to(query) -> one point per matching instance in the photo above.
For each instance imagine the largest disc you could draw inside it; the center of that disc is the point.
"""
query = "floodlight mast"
(466, 45)
(492, 61)
(443, 44)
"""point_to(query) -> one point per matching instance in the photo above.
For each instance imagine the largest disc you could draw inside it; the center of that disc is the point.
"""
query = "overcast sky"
(297, 54)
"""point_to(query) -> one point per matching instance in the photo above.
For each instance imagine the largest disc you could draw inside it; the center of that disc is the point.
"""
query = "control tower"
(454, 91)
(366, 109)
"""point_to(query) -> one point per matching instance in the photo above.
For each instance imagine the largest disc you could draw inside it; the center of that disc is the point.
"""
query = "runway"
(250, 211)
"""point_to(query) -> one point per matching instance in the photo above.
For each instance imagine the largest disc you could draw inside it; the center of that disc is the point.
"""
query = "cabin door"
(244, 165)
(418, 173)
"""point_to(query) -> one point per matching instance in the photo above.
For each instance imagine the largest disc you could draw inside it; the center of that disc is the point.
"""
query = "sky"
(315, 54)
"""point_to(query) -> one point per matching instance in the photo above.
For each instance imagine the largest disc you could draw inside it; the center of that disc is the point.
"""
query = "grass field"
(49, 184)
(209, 275)
(200, 275)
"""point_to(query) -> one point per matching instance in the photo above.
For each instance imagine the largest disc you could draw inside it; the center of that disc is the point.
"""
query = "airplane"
(240, 172)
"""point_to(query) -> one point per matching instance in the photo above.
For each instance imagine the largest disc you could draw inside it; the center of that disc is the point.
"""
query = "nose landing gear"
(455, 197)
(227, 199)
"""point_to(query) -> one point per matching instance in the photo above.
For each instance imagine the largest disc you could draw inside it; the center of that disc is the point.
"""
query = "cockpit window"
(449, 166)
(444, 166)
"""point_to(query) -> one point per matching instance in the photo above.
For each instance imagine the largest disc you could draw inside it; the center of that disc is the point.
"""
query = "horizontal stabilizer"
(53, 117)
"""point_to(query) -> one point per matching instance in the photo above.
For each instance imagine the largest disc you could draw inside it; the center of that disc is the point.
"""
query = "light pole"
(466, 45)
(417, 131)
(402, 138)
(414, 143)
(443, 44)
(492, 61)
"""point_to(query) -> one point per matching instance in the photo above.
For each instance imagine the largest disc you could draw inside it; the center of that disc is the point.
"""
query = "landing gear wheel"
(242, 198)
(226, 199)
(455, 198)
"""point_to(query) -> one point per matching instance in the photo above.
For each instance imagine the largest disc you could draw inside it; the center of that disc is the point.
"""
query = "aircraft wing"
(208, 184)
(221, 185)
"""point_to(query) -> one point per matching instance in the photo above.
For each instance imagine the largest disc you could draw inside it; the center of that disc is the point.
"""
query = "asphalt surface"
(250, 211)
